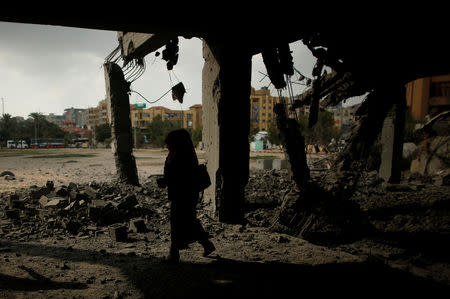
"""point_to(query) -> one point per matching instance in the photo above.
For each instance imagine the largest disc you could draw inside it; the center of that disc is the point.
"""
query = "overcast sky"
(49, 68)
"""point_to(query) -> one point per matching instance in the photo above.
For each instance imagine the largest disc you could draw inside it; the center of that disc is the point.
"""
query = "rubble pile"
(81, 210)
(416, 208)
(264, 194)
(86, 210)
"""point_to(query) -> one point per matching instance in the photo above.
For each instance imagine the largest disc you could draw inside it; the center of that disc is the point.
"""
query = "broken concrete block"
(13, 214)
(36, 193)
(71, 206)
(90, 192)
(128, 203)
(43, 200)
(111, 216)
(57, 202)
(82, 196)
(138, 225)
(17, 204)
(73, 194)
(118, 232)
(14, 202)
(94, 213)
(50, 185)
(62, 192)
(72, 226)
(72, 186)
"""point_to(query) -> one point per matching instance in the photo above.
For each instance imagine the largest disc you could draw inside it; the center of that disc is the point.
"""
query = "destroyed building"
(360, 64)
(378, 62)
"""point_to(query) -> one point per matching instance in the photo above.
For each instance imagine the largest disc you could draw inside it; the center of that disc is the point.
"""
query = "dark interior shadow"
(224, 278)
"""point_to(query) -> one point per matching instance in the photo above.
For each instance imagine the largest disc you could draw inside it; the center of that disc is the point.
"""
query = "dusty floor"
(42, 260)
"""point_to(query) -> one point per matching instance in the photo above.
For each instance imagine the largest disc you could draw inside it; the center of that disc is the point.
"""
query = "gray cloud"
(50, 68)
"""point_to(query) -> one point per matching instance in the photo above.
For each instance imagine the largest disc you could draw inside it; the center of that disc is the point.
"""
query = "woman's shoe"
(208, 248)
(172, 259)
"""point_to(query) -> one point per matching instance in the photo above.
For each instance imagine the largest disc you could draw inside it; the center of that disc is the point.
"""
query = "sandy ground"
(250, 261)
(36, 168)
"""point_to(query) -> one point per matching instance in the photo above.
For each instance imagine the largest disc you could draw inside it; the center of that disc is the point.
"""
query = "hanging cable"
(151, 102)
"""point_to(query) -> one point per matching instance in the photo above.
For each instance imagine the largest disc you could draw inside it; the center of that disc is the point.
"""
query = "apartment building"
(344, 117)
(55, 119)
(261, 108)
(428, 96)
(189, 119)
(77, 115)
(97, 115)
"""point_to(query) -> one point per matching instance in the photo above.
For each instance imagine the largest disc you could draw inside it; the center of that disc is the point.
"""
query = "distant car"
(18, 144)
(10, 144)
(22, 144)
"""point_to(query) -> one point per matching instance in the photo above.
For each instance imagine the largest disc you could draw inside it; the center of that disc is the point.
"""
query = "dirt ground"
(42, 260)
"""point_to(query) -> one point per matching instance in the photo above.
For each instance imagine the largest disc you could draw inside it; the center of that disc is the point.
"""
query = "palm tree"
(6, 127)
(37, 117)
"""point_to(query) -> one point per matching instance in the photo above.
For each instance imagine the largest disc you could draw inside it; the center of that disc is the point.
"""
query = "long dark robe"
(179, 173)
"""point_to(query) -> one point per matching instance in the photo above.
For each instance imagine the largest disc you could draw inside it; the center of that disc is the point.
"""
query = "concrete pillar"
(226, 123)
(119, 117)
(392, 135)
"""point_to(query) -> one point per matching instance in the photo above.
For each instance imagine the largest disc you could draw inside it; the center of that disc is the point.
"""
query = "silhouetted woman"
(180, 171)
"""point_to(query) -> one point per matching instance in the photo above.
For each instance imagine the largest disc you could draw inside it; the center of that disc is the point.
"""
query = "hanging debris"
(178, 92)
(170, 53)
(278, 62)
(295, 146)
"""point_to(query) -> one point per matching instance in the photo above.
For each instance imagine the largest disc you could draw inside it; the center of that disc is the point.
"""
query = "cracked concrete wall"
(226, 122)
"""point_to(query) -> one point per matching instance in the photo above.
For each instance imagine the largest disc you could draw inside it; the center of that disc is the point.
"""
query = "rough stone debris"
(406, 214)
(433, 156)
(118, 232)
(138, 226)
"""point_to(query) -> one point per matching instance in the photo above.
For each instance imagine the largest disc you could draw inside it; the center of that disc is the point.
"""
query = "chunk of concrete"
(36, 193)
(56, 203)
(43, 200)
(138, 225)
(128, 203)
(13, 214)
(118, 232)
(72, 226)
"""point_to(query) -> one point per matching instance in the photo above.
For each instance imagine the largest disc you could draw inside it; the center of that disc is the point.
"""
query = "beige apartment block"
(261, 108)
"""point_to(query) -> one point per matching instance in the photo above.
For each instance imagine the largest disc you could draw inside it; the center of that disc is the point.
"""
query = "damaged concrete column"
(119, 117)
(226, 124)
(392, 139)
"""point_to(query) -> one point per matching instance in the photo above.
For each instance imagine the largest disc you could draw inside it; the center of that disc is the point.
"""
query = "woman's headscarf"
(181, 147)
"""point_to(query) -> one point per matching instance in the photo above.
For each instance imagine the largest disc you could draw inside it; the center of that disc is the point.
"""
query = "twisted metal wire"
(131, 70)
